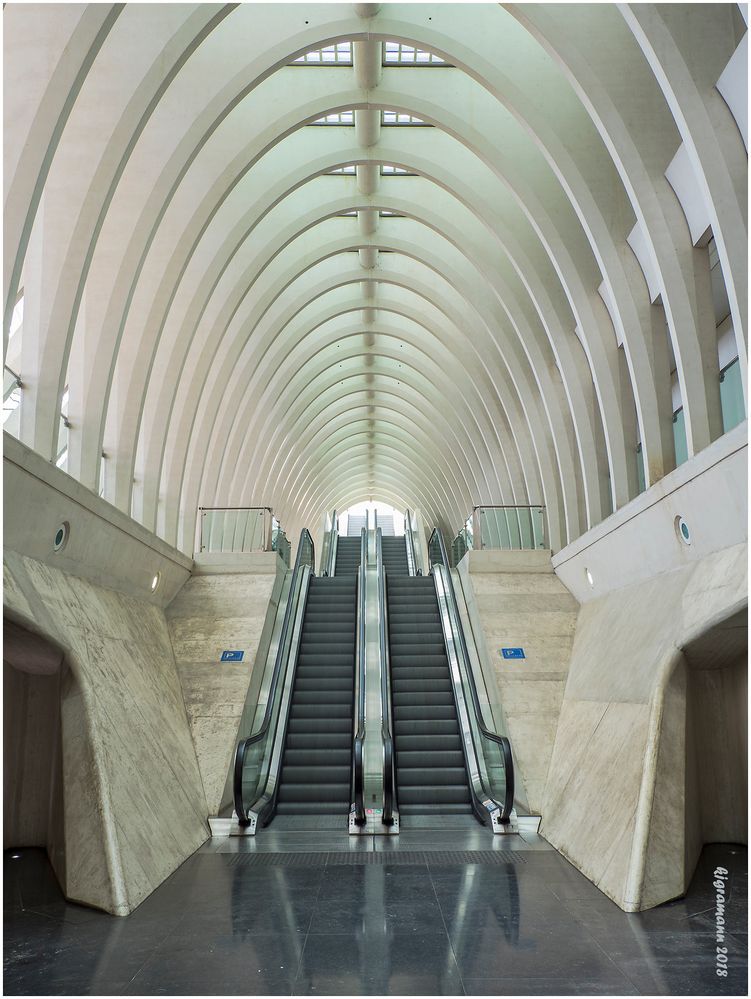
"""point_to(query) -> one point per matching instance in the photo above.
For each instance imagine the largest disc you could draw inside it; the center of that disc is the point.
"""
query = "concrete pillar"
(367, 127)
(368, 257)
(366, 59)
(367, 178)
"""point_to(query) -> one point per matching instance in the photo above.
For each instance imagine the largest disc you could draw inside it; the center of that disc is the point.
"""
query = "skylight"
(396, 54)
(337, 118)
(389, 170)
(11, 402)
(386, 213)
(16, 321)
(349, 170)
(339, 54)
(400, 118)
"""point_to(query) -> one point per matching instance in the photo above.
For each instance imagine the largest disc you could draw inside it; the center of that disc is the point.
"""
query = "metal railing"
(280, 544)
(358, 775)
(507, 528)
(387, 738)
(235, 529)
(409, 538)
(328, 548)
(491, 771)
(255, 780)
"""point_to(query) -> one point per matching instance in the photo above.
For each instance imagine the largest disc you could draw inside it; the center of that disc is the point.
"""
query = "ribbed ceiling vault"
(224, 333)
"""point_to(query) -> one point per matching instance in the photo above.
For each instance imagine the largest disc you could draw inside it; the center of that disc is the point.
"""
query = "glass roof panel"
(339, 54)
(398, 54)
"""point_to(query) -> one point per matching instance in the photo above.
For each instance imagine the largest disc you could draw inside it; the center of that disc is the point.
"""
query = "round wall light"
(155, 580)
(61, 536)
(682, 530)
(590, 577)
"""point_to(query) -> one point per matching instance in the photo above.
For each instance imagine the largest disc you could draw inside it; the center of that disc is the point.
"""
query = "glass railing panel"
(236, 529)
(255, 750)
(280, 544)
(508, 528)
(489, 762)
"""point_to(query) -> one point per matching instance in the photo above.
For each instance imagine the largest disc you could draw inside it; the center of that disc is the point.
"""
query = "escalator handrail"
(389, 762)
(500, 740)
(358, 778)
(330, 568)
(244, 744)
(410, 542)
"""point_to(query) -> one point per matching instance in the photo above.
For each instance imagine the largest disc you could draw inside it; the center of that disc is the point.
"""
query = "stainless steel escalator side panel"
(450, 630)
(257, 811)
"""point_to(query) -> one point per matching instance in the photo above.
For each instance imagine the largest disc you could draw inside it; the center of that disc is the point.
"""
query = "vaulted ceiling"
(496, 303)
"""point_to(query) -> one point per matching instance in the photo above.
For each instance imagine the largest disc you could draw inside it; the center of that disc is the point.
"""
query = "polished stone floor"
(314, 914)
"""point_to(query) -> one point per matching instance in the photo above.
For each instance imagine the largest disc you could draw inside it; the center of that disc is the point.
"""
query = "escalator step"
(330, 711)
(426, 698)
(314, 807)
(313, 757)
(434, 808)
(424, 712)
(432, 793)
(324, 737)
(444, 744)
(315, 776)
(314, 792)
(408, 777)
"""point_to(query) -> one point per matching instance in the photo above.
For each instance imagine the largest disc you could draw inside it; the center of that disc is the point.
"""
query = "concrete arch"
(186, 274)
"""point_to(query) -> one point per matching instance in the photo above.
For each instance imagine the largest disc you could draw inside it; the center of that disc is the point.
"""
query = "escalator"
(395, 556)
(430, 773)
(304, 757)
(316, 766)
(309, 754)
(347, 556)
(447, 760)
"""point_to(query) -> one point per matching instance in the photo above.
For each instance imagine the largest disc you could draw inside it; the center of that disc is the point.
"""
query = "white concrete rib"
(479, 331)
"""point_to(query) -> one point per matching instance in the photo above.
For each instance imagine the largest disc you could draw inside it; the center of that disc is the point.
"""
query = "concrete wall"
(639, 541)
(615, 799)
(133, 801)
(32, 744)
(132, 806)
(225, 607)
(623, 794)
(104, 546)
(518, 601)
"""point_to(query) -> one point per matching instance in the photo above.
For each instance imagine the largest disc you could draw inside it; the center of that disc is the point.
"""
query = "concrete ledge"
(249, 563)
(499, 560)
(640, 540)
(105, 546)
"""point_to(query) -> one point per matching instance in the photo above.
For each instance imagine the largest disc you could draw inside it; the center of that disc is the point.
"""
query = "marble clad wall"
(520, 601)
(614, 802)
(211, 613)
(134, 807)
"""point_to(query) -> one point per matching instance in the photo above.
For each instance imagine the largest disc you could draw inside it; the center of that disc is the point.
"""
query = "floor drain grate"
(365, 858)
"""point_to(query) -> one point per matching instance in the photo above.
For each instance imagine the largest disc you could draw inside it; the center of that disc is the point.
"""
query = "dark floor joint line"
(433, 858)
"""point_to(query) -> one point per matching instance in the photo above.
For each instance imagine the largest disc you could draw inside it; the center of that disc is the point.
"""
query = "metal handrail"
(410, 543)
(358, 778)
(387, 738)
(244, 744)
(500, 740)
(330, 568)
